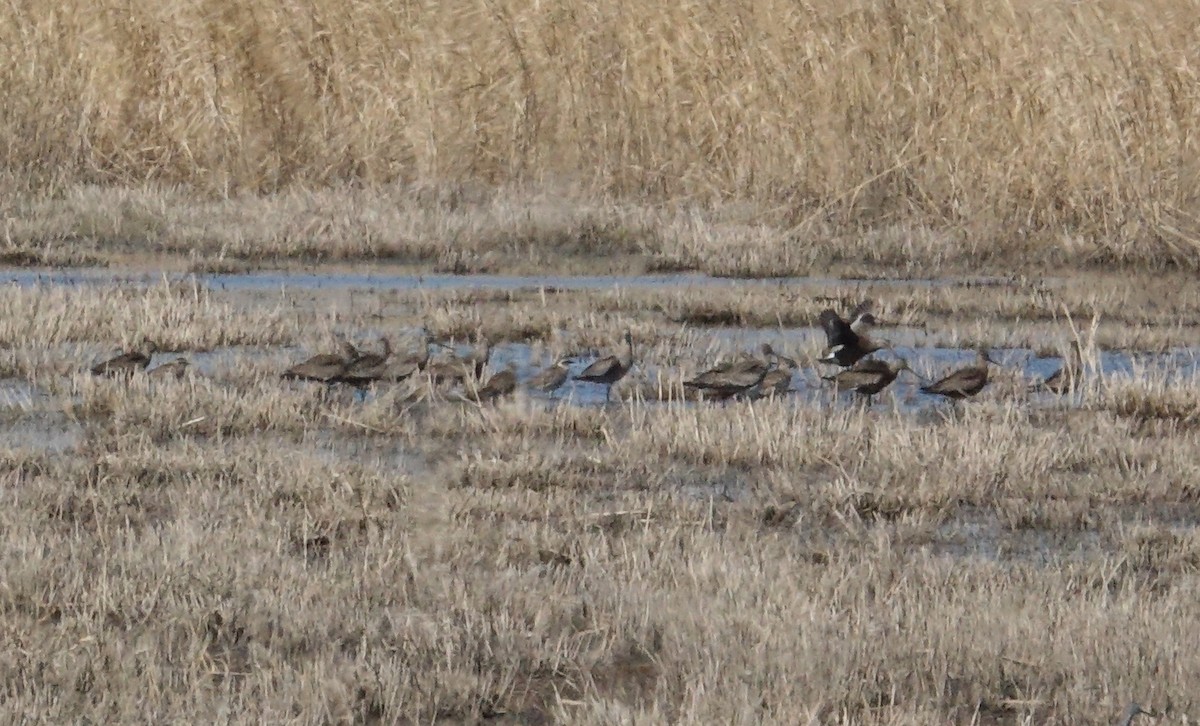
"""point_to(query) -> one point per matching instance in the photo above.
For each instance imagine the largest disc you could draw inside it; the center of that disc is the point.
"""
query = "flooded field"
(384, 281)
(495, 524)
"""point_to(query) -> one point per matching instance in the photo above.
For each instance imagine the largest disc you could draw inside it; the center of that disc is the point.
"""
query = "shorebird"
(737, 376)
(129, 362)
(176, 369)
(847, 340)
(777, 381)
(552, 378)
(1066, 378)
(456, 368)
(323, 367)
(412, 363)
(868, 377)
(450, 372)
(769, 352)
(500, 384)
(610, 369)
(964, 382)
(366, 368)
(480, 353)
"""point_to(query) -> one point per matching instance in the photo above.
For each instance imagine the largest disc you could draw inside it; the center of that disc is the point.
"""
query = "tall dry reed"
(1020, 124)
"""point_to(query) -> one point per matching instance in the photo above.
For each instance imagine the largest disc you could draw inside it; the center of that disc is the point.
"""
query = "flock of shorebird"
(849, 347)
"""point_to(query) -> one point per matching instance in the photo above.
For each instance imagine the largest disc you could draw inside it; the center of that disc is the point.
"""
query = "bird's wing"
(871, 365)
(961, 380)
(837, 331)
(599, 368)
(549, 378)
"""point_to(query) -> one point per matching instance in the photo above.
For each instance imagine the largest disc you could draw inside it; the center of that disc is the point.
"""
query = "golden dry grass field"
(740, 138)
(232, 546)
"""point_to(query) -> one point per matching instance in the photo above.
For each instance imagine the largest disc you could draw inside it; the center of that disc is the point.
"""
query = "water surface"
(381, 280)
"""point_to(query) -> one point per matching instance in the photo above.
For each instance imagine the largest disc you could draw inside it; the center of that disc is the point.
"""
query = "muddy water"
(380, 280)
(807, 387)
(929, 361)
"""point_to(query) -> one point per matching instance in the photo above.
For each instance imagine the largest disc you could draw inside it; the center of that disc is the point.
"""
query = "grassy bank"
(888, 134)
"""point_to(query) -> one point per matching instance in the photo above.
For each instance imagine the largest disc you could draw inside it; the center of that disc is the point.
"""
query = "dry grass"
(767, 139)
(229, 544)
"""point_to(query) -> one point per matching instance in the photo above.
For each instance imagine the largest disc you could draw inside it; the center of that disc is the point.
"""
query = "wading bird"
(173, 369)
(456, 369)
(777, 381)
(552, 378)
(414, 362)
(610, 369)
(1066, 378)
(366, 368)
(127, 363)
(868, 377)
(734, 377)
(964, 382)
(479, 356)
(500, 384)
(323, 367)
(847, 340)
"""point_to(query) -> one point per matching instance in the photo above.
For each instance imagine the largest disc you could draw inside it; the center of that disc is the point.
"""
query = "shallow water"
(700, 347)
(36, 428)
(384, 281)
(931, 362)
(809, 388)
(19, 394)
(41, 431)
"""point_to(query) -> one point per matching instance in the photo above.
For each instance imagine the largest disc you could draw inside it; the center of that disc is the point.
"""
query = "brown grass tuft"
(886, 134)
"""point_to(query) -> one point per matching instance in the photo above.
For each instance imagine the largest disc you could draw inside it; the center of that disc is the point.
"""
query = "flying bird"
(848, 341)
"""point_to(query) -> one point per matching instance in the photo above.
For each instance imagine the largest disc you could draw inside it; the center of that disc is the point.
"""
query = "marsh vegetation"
(745, 139)
(198, 539)
(229, 542)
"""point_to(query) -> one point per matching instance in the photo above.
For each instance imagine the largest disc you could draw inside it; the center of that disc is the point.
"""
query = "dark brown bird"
(500, 384)
(868, 377)
(777, 381)
(402, 368)
(964, 382)
(173, 369)
(479, 355)
(448, 372)
(610, 369)
(127, 363)
(769, 353)
(456, 368)
(552, 378)
(847, 341)
(323, 367)
(1066, 378)
(366, 368)
(734, 377)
